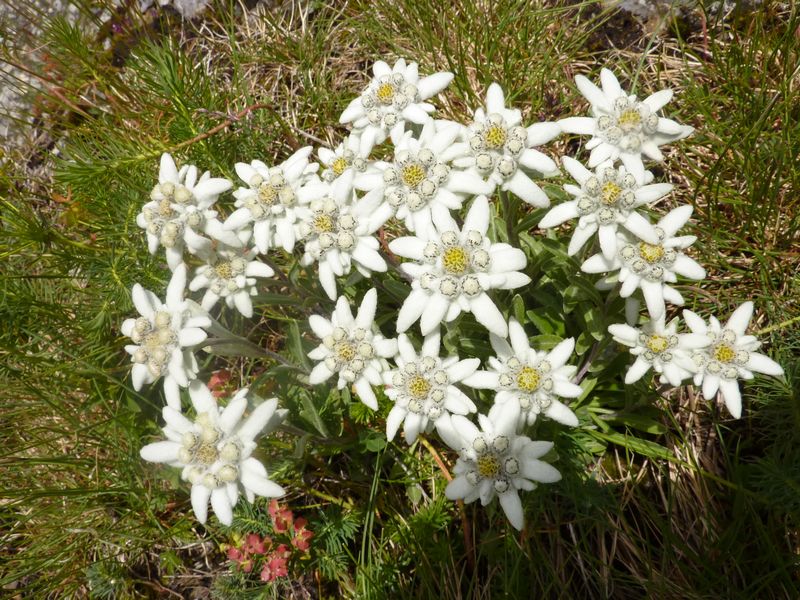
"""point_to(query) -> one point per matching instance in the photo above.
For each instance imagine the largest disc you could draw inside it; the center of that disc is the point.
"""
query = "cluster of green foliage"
(662, 496)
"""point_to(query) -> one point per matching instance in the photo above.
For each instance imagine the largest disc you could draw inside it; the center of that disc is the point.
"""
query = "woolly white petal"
(458, 488)
(433, 84)
(541, 133)
(740, 319)
(261, 485)
(200, 496)
(365, 393)
(512, 506)
(559, 214)
(657, 101)
(580, 236)
(221, 505)
(319, 374)
(639, 367)
(394, 420)
(732, 396)
(560, 412)
(763, 364)
(160, 452)
(487, 314)
(578, 125)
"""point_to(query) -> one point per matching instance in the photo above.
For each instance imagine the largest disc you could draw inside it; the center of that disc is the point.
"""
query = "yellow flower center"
(657, 343)
(206, 454)
(610, 192)
(339, 166)
(724, 353)
(651, 253)
(629, 119)
(488, 466)
(345, 351)
(385, 93)
(223, 270)
(323, 224)
(455, 260)
(495, 136)
(419, 387)
(152, 340)
(267, 194)
(413, 175)
(528, 379)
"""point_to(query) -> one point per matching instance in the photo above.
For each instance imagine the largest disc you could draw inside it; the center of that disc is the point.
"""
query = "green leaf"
(310, 413)
(296, 344)
(634, 444)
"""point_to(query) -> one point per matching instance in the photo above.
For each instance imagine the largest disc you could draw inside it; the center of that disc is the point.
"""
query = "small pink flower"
(282, 518)
(254, 544)
(301, 535)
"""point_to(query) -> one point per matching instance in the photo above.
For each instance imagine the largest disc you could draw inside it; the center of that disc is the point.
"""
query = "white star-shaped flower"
(605, 200)
(622, 127)
(453, 270)
(395, 95)
(214, 450)
(422, 387)
(179, 212)
(728, 356)
(270, 200)
(351, 347)
(420, 181)
(658, 346)
(230, 274)
(652, 266)
(337, 232)
(347, 156)
(500, 149)
(494, 460)
(164, 337)
(533, 380)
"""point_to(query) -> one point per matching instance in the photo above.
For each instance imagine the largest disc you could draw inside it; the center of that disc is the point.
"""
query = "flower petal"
(732, 396)
(200, 496)
(512, 506)
(160, 452)
(433, 84)
(740, 319)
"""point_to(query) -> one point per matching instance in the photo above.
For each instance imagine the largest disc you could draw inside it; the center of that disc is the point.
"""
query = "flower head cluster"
(621, 126)
(454, 268)
(533, 380)
(337, 233)
(727, 356)
(270, 200)
(214, 450)
(230, 274)
(423, 387)
(605, 200)
(164, 336)
(651, 267)
(179, 212)
(495, 461)
(352, 348)
(660, 347)
(500, 149)
(395, 95)
(420, 182)
(345, 158)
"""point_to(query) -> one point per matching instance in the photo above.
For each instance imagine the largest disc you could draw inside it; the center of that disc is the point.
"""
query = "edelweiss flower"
(500, 146)
(606, 199)
(230, 273)
(163, 338)
(351, 348)
(659, 346)
(496, 461)
(271, 199)
(214, 450)
(337, 232)
(179, 211)
(622, 127)
(420, 182)
(651, 266)
(422, 387)
(348, 156)
(454, 269)
(728, 356)
(531, 379)
(394, 96)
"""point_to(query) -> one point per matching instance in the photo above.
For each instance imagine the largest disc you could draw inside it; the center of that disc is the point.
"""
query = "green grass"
(665, 497)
